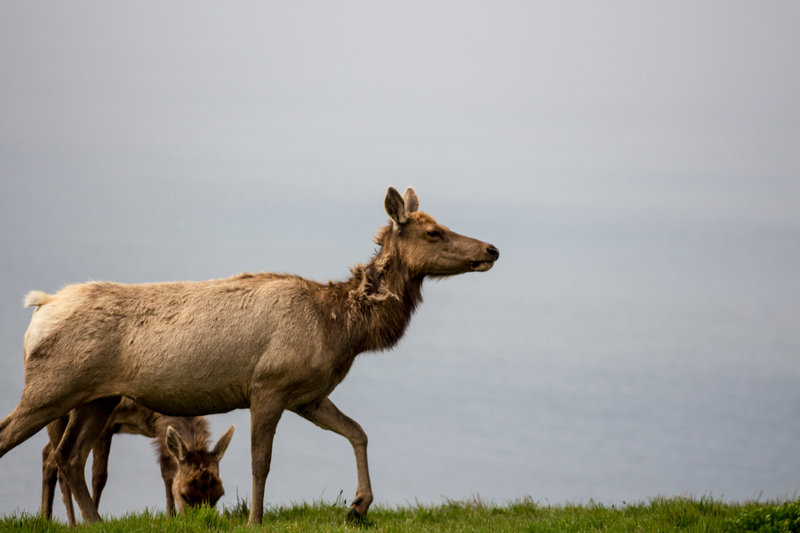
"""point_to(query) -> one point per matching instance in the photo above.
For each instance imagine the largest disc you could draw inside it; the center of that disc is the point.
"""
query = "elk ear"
(222, 444)
(411, 200)
(175, 444)
(395, 206)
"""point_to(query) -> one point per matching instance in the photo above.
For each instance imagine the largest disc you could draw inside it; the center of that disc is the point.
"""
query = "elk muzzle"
(484, 264)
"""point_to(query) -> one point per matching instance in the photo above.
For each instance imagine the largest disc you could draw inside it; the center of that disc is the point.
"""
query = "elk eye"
(434, 234)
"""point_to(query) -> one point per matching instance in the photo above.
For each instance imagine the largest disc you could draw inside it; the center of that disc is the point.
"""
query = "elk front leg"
(325, 415)
(85, 423)
(265, 412)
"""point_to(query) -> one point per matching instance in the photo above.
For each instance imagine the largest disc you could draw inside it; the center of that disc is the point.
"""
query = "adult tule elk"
(268, 342)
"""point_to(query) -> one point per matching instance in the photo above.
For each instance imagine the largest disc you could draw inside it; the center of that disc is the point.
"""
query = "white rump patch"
(45, 318)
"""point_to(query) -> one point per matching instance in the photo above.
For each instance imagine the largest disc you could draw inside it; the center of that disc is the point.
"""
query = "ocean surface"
(608, 358)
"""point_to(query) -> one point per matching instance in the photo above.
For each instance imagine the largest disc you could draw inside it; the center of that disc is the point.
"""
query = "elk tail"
(37, 298)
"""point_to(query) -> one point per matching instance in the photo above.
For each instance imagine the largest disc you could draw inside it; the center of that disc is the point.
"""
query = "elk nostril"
(494, 252)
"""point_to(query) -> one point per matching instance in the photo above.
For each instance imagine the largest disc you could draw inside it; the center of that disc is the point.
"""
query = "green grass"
(675, 514)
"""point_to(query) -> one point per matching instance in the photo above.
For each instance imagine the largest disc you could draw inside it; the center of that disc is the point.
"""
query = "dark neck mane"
(375, 305)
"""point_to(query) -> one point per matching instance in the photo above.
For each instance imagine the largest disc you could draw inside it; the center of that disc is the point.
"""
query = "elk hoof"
(354, 515)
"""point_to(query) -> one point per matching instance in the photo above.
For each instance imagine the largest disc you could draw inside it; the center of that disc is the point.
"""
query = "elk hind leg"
(27, 418)
(55, 430)
(85, 424)
(327, 416)
(100, 453)
(49, 477)
(51, 473)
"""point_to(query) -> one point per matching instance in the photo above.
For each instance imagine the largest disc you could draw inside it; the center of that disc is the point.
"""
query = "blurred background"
(636, 163)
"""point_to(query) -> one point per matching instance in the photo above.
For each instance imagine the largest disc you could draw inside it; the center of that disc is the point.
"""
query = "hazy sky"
(625, 104)
(636, 163)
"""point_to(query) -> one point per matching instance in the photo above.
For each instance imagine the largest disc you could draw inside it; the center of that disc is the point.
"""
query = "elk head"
(428, 248)
(197, 479)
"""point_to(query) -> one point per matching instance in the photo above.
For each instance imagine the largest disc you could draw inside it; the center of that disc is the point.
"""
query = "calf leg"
(85, 423)
(66, 497)
(168, 471)
(325, 415)
(170, 496)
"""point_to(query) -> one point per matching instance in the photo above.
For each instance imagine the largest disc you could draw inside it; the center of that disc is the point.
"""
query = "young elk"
(189, 469)
(267, 342)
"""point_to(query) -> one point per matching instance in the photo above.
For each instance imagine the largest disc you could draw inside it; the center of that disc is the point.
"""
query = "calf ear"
(222, 444)
(175, 445)
(395, 206)
(411, 200)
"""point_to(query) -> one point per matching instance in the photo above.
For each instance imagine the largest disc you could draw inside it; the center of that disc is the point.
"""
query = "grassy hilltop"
(676, 514)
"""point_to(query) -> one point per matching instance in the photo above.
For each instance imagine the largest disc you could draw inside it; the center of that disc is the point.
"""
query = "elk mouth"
(482, 266)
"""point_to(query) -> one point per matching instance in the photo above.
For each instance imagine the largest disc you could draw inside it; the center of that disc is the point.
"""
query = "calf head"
(197, 480)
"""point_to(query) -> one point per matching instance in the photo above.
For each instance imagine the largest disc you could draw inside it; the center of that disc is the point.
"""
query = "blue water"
(604, 358)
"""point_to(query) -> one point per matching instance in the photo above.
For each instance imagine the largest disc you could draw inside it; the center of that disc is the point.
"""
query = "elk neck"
(371, 310)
